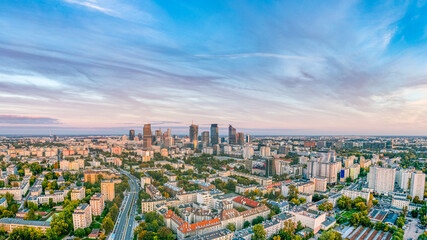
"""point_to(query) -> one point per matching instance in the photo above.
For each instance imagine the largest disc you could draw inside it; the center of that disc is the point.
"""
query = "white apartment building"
(381, 179)
(82, 216)
(417, 184)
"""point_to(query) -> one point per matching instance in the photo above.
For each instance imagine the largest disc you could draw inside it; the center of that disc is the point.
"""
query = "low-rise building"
(9, 224)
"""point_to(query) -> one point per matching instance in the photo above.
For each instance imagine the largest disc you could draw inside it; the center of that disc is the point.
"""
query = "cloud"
(91, 5)
(14, 119)
(260, 54)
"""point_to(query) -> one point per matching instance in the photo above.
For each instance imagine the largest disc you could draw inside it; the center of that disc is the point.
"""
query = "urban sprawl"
(156, 185)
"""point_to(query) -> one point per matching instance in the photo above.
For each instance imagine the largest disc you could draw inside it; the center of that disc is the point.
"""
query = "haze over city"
(266, 67)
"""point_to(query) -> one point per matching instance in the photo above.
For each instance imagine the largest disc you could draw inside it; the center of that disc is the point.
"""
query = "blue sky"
(267, 67)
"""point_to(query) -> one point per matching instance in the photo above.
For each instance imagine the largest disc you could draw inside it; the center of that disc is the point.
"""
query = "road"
(123, 228)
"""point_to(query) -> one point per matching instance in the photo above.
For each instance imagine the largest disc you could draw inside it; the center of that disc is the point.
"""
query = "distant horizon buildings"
(131, 135)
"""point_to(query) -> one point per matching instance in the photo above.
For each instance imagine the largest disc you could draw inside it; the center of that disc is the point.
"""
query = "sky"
(266, 67)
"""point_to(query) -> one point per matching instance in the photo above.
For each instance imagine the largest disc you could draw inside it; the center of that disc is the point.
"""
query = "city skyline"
(267, 68)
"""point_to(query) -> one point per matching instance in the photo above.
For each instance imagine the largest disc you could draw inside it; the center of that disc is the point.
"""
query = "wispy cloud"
(14, 119)
(268, 55)
(92, 5)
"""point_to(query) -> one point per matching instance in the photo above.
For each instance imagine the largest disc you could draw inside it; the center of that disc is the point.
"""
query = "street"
(123, 228)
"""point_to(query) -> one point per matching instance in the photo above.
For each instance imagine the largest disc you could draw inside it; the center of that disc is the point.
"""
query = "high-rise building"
(417, 184)
(194, 133)
(167, 139)
(147, 136)
(403, 177)
(328, 170)
(381, 179)
(159, 136)
(248, 152)
(82, 216)
(205, 137)
(139, 136)
(240, 138)
(248, 138)
(232, 135)
(131, 135)
(107, 188)
(214, 134)
(97, 204)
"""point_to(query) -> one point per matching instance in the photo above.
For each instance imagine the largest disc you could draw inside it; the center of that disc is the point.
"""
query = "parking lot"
(412, 231)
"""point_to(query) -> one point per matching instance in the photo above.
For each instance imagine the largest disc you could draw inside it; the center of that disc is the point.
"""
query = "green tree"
(326, 206)
(51, 234)
(259, 232)
(114, 211)
(107, 225)
(80, 232)
(246, 224)
(165, 233)
(231, 227)
(330, 235)
(355, 219)
(293, 192)
(31, 215)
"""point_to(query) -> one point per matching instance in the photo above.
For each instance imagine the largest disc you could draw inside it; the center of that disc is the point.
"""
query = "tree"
(80, 232)
(20, 233)
(414, 213)
(231, 227)
(165, 233)
(404, 211)
(326, 206)
(293, 192)
(30, 215)
(361, 206)
(114, 211)
(107, 225)
(51, 234)
(259, 232)
(355, 219)
(246, 224)
(400, 222)
(330, 235)
(344, 203)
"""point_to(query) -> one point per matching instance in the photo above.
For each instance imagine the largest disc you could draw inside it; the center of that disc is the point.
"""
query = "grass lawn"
(348, 214)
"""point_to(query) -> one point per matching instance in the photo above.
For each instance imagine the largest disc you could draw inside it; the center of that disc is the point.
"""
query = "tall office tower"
(147, 136)
(232, 135)
(381, 179)
(240, 138)
(159, 136)
(248, 138)
(167, 139)
(214, 134)
(131, 135)
(417, 184)
(107, 188)
(194, 133)
(205, 137)
(139, 136)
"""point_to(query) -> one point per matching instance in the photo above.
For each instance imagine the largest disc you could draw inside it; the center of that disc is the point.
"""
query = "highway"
(123, 228)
